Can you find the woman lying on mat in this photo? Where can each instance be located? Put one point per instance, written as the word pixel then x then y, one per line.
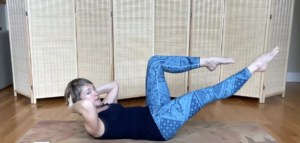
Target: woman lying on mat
pixel 162 117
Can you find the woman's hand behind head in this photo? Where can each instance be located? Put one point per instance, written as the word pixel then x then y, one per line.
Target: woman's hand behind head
pixel 70 102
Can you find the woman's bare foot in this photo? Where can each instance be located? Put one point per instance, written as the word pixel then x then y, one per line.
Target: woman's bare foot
pixel 260 63
pixel 213 62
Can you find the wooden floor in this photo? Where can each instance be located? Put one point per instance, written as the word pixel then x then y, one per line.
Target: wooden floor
pixel 280 117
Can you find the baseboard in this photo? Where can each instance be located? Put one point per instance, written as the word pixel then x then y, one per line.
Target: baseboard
pixel 293 77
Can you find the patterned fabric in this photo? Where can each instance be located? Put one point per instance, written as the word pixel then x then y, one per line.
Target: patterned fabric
pixel 170 115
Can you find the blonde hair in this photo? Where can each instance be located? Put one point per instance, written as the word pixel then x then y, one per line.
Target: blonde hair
pixel 73 89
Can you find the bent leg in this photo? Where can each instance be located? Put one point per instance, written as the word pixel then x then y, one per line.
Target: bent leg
pixel 170 117
pixel 157 92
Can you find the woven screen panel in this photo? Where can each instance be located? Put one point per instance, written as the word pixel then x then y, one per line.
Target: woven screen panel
pixel 133 44
pixel 19 45
pixel 279 33
pixel 206 40
pixel 171 23
pixel 53 46
pixel 93 22
pixel 245 27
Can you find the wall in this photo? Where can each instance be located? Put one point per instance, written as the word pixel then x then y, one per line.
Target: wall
pixel 5 57
pixel 3 17
pixel 5 61
pixel 293 70
pixel 6 16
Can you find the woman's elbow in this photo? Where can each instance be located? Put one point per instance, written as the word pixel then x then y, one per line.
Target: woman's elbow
pixel 87 105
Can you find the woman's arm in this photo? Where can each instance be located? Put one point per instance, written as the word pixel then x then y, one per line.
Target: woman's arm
pixel 90 116
pixel 112 90
pixel 77 107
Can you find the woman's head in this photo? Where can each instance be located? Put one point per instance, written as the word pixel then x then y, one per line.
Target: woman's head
pixel 82 89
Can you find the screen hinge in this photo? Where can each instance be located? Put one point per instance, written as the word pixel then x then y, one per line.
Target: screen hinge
pixel 271 16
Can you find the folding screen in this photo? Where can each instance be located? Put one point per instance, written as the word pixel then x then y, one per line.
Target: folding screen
pixel 133 44
pixel 19 47
pixel 94 46
pixel 53 46
pixel 206 39
pixel 241 29
pixel 244 39
pixel 172 37
pixel 279 35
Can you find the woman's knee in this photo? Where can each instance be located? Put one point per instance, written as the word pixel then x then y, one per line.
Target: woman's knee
pixel 156 58
pixel 153 58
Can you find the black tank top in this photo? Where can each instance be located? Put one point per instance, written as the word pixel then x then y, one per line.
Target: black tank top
pixel 129 123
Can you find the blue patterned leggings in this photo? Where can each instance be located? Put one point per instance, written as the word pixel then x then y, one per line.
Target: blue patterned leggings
pixel 169 115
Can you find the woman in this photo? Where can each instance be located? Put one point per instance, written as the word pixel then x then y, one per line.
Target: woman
pixel 162 117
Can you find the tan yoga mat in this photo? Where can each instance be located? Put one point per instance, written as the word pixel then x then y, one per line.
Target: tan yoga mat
pixel 191 132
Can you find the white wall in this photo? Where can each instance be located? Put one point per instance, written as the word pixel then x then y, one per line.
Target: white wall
pixel 293 70
pixel 3 17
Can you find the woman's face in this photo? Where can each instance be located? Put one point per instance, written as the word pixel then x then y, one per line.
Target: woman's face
pixel 88 92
